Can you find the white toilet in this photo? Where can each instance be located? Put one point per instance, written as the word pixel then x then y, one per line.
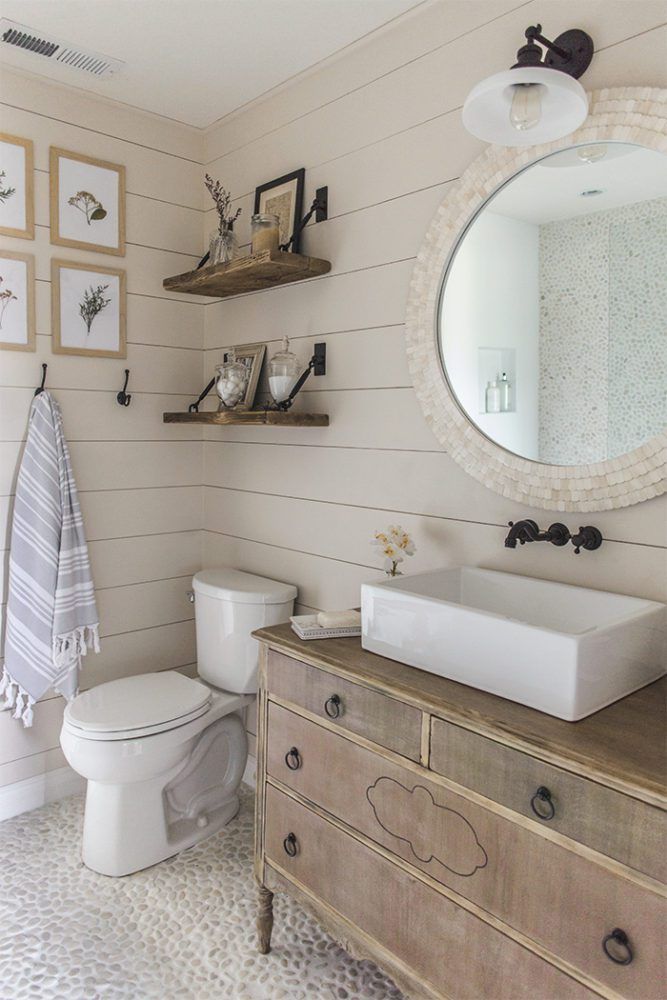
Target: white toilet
pixel 163 754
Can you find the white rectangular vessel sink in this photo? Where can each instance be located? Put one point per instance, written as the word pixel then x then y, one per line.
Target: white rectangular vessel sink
pixel 564 650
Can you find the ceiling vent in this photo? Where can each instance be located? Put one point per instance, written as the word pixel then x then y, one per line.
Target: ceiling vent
pixel 56 50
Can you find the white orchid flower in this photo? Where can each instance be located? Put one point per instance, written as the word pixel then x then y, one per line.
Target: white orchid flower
pixel 394 543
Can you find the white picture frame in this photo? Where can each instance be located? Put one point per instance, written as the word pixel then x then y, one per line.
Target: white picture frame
pixel 88 310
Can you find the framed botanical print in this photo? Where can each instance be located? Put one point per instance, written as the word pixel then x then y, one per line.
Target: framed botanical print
pixel 252 356
pixel 88 313
pixel 87 203
pixel 284 198
pixel 17 199
pixel 17 301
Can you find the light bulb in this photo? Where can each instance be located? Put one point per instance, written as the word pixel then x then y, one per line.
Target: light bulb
pixel 526 110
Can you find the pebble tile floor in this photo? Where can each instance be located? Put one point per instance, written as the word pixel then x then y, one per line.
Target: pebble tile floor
pixel 182 930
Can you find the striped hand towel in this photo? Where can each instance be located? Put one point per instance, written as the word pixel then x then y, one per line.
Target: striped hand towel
pixel 51 613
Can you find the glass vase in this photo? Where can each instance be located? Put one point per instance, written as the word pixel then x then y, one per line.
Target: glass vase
pixel 223 247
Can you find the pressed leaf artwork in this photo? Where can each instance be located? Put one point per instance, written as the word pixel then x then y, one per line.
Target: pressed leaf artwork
pixel 88 205
pixel 5 192
pixel 92 304
pixel 6 296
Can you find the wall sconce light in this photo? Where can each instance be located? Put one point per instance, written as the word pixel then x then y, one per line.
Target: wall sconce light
pixel 538 99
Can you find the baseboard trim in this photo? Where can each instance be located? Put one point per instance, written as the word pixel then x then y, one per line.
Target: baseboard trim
pixel 31 793
pixel 250 773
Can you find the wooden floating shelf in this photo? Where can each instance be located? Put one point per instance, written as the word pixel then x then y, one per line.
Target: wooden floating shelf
pixel 239 418
pixel 248 274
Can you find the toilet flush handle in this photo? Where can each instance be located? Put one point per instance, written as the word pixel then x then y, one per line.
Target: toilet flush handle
pixel 190 594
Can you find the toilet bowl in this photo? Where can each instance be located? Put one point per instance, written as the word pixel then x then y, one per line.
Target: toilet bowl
pixel 164 754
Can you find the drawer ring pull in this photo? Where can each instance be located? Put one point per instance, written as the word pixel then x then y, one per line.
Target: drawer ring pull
pixel 620 938
pixel 293 759
pixel 547 809
pixel 290 845
pixel 333 706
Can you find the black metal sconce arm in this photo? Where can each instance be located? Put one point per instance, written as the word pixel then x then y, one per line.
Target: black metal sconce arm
pixel 571 52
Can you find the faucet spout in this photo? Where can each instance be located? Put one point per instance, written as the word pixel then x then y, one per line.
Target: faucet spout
pixel 528 531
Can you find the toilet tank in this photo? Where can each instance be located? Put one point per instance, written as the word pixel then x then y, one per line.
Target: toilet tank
pixel 229 606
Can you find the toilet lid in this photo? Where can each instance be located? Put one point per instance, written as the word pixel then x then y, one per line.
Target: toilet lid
pixel 137 702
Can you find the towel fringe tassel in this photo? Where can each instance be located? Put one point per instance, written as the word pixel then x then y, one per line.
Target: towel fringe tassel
pixel 69 647
pixel 17 698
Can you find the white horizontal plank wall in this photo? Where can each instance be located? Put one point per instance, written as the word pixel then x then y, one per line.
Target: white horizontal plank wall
pixel 381 126
pixel 140 480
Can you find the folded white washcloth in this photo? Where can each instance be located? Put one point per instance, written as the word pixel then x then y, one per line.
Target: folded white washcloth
pixel 339 619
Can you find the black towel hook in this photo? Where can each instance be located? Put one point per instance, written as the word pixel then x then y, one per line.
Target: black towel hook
pixel 41 387
pixel 124 398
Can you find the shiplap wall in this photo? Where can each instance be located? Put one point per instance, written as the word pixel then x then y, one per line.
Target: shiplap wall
pixel 381 126
pixel 139 479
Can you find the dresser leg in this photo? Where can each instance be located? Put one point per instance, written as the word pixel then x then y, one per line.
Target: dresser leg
pixel 264 920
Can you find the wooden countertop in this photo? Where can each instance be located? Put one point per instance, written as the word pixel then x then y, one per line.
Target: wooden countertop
pixel 622 746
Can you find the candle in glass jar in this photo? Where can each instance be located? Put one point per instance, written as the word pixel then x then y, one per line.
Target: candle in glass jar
pixel 265 232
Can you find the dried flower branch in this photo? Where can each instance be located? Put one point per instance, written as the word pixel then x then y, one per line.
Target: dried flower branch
pixel 6 296
pixel 223 203
pixel 5 192
pixel 92 304
pixel 394 544
pixel 87 203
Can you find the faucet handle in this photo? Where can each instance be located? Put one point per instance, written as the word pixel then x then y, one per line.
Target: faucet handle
pixel 588 538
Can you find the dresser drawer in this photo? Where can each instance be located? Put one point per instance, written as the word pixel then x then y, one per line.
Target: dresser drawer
pixel 550 894
pixel 448 946
pixel 350 706
pixel 607 821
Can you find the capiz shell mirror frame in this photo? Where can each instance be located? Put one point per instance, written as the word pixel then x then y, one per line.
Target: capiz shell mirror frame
pixel 635 115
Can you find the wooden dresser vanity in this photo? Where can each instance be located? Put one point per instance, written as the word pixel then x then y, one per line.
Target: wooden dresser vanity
pixel 470 846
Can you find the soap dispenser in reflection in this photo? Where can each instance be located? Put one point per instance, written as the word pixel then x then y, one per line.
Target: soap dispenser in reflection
pixel 505 387
pixel 493 397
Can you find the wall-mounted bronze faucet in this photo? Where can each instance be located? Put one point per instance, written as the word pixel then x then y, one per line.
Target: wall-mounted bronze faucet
pixel 588 538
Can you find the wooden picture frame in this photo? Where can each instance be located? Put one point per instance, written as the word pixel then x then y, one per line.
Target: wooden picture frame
pixel 87 199
pixel 23 318
pixel 72 323
pixel 19 170
pixel 251 355
pixel 284 197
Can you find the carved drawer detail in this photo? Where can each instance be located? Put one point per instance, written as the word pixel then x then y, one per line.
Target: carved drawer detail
pixel 448 947
pixel 564 901
pixel 433 832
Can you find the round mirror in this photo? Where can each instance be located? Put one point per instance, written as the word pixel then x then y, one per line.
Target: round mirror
pixel 552 313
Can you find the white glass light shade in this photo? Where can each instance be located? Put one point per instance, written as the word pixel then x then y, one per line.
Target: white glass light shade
pixel 564 106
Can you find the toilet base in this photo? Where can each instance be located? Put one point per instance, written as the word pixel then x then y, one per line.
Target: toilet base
pixel 133 825
pixel 146 845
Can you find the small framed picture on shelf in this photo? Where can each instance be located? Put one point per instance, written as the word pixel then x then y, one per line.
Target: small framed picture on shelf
pixel 252 356
pixel 17 301
pixel 284 198
pixel 17 200
pixel 87 203
pixel 88 310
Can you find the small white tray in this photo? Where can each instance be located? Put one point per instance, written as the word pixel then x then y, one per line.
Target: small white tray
pixel 306 627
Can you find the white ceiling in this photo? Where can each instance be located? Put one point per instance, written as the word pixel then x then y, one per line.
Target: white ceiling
pixel 196 61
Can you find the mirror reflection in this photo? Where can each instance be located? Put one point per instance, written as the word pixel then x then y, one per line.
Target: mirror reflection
pixel 553 312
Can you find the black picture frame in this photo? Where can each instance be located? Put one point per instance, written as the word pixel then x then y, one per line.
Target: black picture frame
pixel 296 177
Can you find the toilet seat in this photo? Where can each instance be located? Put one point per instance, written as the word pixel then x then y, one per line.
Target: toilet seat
pixel 142 705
